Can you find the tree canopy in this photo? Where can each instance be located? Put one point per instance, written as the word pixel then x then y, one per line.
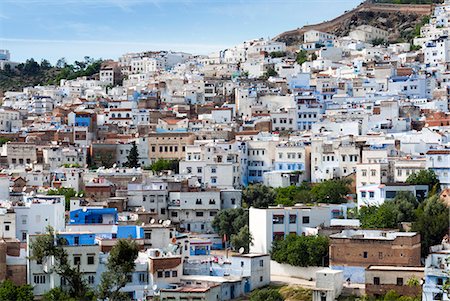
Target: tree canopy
pixel 51 245
pixel 331 191
pixel 133 156
pixel 12 292
pixel 163 164
pixel 424 177
pixel 32 73
pixel 121 263
pixel 432 222
pixel 258 196
pixel 301 250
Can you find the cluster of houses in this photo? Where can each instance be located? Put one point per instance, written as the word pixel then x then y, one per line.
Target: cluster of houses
pixel 253 113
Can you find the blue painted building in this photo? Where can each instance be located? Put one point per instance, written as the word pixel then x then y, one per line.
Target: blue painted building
pixel 106 216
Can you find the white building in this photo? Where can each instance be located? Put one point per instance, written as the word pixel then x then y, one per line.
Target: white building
pixel 39 212
pixel 266 225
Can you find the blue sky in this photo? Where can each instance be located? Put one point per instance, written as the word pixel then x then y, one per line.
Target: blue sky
pixel 107 28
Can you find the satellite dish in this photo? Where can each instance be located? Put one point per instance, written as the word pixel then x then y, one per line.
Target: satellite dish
pixel 241 250
pixel 154 287
pixel 152 221
pixel 160 221
pixel 133 179
pixel 81 195
pixel 84 209
pixel 168 222
pixel 143 224
pixel 114 165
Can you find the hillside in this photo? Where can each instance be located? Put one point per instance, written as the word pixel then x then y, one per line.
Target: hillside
pixel 32 73
pixel 401 20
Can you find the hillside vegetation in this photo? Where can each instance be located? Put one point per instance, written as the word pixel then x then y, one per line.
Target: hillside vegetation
pixel 32 73
pixel 401 18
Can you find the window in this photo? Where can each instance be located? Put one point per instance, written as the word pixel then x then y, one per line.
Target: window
pixel 380 255
pixel 166 274
pixel 376 280
pixel 148 235
pixel 292 219
pixel 76 240
pixel 160 274
pixel 143 278
pixel 91 279
pixel 371 194
pixel 261 263
pixel 199 214
pixel 261 279
pixel 39 279
pixel 363 194
pixel 305 220
pixel 400 281
pixel 365 255
pixel 440 281
pixel 163 211
pixel 174 214
pixel 76 259
pixel 174 274
pixel 90 259
pixel 278 219
pixel 213 170
pixel 6 227
pixel 212 213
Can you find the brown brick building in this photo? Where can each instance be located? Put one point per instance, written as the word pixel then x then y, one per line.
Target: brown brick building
pixel 382 279
pixel 362 248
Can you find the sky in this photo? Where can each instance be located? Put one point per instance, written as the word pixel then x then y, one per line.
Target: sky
pixel 72 29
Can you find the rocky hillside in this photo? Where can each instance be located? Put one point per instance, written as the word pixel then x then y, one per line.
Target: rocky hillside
pixel 401 20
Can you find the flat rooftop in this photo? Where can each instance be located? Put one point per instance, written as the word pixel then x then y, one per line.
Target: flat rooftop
pixel 395 268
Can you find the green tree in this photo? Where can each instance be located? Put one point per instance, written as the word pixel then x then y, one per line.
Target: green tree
pixel 230 221
pixel 302 56
pixel 120 265
pixel 105 159
pixel 391 296
pixel 378 41
pixel 258 196
pixel 12 292
pixel 266 294
pixel 432 222
pixel 300 250
pixel 243 239
pixel 276 54
pixel 133 156
pixel 379 217
pixel 3 140
pixel 270 72
pixel 291 195
pixel 331 191
pixel 57 294
pixel 67 192
pixel 163 164
pixel 51 245
pixel 424 177
pixel 406 204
